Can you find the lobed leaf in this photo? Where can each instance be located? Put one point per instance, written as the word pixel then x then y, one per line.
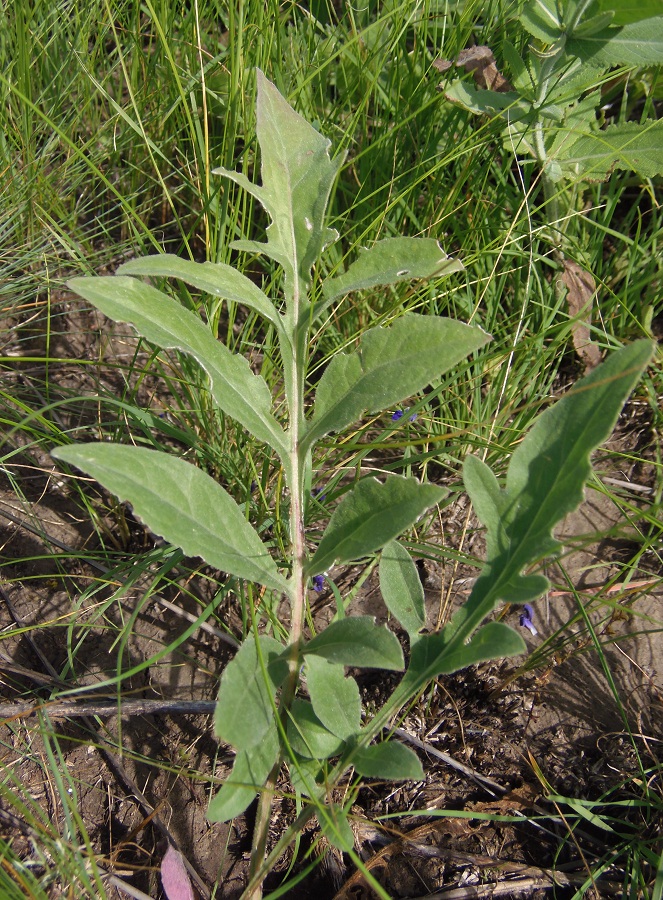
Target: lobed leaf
pixel 180 503
pixel 249 773
pixel 390 261
pixel 371 515
pixel 357 641
pixel 217 279
pixel 244 712
pixel 297 178
pixel 545 481
pixel 390 760
pixel 334 696
pixel 392 364
pixel 401 588
pixel 163 321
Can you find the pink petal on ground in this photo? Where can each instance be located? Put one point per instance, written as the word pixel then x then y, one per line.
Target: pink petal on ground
pixel 174 876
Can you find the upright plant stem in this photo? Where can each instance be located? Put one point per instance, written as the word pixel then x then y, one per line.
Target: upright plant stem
pixel 293 351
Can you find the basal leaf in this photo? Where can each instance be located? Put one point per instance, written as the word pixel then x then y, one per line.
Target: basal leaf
pixel 390 761
pixel 308 736
pixel 389 261
pixel 244 712
pixel 357 641
pixel 369 516
pixel 632 146
pixel 545 481
pixel 391 365
pixel 217 279
pixel 180 503
pixel 401 588
pixel 483 102
pixel 297 177
pixel 634 44
pixel 627 11
pixel 163 321
pixel 335 697
pixel 335 827
pixel 248 775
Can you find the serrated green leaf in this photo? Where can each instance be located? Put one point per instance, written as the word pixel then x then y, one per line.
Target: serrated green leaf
pixel 401 588
pixel 518 70
pixel 545 481
pixel 390 261
pixel 297 177
pixel 391 365
pixel 357 641
pixel 433 656
pixel 390 760
pixel 335 827
pixel 335 697
pixel 217 279
pixel 632 146
pixel 308 736
pixel 180 503
pixel 249 773
pixel 163 321
pixel 244 712
pixel 627 11
pixel 541 19
pixel 369 516
pixel 634 44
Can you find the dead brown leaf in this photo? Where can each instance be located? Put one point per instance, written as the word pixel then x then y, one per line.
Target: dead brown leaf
pixel 478 60
pixel 581 288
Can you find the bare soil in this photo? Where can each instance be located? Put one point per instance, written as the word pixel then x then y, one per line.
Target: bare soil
pixel 512 736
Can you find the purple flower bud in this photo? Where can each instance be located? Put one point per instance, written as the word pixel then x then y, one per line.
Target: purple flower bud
pixel 526 617
pixel 318 583
pixel 397 415
pixel 413 417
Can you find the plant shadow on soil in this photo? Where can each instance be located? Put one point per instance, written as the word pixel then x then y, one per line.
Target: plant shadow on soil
pixel 559 715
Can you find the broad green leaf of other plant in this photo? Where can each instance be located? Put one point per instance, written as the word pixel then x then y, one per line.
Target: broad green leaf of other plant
pixel 163 321
pixel 180 503
pixel 389 760
pixel 401 588
pixel 633 146
pixel 357 641
pixel 297 178
pixel 392 364
pixel 335 696
pixel 635 44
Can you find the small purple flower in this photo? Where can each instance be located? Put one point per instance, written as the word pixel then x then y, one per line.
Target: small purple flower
pixel 398 415
pixel 318 583
pixel 526 618
pixel 319 496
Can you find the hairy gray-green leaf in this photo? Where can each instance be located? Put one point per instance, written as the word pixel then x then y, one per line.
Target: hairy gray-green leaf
pixel 390 261
pixel 544 482
pixel 369 516
pixel 249 773
pixel 335 697
pixel 390 760
pixel 180 503
pixel 401 588
pixel 335 827
pixel 634 44
pixel 392 364
pixel 163 321
pixel 217 279
pixel 306 776
pixel 244 712
pixel 357 641
pixel 432 655
pixel 632 146
pixel 297 177
pixel 308 736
